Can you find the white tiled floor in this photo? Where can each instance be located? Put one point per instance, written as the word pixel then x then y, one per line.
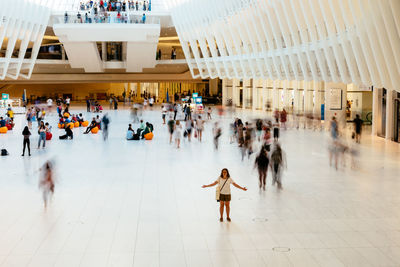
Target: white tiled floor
pixel 121 203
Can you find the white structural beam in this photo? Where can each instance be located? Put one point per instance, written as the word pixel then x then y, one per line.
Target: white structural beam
pixel 22 27
pixel 347 41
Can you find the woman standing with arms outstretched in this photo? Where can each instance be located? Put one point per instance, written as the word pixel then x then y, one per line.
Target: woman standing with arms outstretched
pixel 223 195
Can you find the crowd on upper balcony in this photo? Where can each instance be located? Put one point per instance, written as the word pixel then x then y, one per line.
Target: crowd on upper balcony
pixel 110 11
pixel 116 5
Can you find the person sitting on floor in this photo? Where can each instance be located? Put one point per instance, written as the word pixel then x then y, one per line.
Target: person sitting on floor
pixel 2 122
pixel 130 133
pixel 80 118
pixel 146 130
pixel 68 133
pixel 98 122
pixel 10 121
pixel 48 127
pixel 92 125
pixel 74 118
pixel 150 126
pixel 141 128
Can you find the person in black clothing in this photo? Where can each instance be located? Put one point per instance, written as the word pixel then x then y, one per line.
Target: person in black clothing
pixel 106 122
pixel 277 162
pixel 175 111
pixel 115 103
pixel 68 133
pixel 26 133
pixel 88 105
pixel 262 163
pixel 188 113
pixel 358 128
pixel 92 125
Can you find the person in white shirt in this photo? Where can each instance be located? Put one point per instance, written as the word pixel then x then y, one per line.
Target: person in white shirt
pixel 67 101
pixel 151 101
pixel 199 127
pixel 223 194
pixel 164 113
pixel 49 104
pixel 178 133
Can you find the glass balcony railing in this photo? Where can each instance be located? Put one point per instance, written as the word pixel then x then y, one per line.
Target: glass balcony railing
pixel 105 17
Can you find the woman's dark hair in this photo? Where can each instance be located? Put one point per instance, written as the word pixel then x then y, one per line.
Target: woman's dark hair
pixel 25 131
pixel 227 172
pixel 262 152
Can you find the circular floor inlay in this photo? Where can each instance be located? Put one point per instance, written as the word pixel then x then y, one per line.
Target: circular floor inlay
pixel 281 249
pixel 260 219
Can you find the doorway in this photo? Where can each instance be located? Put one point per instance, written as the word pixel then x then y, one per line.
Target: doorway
pixel 396 127
pixel 382 112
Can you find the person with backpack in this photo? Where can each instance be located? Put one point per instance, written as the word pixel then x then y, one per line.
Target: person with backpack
pixel 223 192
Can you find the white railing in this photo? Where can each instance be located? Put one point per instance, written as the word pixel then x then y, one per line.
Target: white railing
pixel 104 17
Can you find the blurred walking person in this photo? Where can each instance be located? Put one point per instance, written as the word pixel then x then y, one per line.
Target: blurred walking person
pixel 217 134
pixel 178 133
pixel 262 163
pixel 46 182
pixel 334 128
pixel 163 113
pixel 223 192
pixel 277 162
pixel 29 118
pixel 259 129
pixel 105 121
pixel 240 133
pixel 358 128
pixel 175 111
pixel 283 118
pixel 171 126
pixel 200 128
pixel 248 141
pixel 276 129
pixel 209 113
pixel 188 129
